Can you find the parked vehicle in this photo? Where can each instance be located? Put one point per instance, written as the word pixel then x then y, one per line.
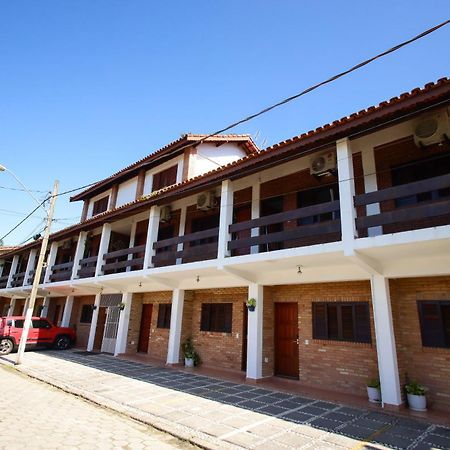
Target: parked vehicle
pixel 42 333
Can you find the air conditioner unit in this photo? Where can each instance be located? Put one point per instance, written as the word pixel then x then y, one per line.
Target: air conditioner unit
pixel 67 244
pixel 206 201
pixel 323 164
pixel 165 214
pixel 431 130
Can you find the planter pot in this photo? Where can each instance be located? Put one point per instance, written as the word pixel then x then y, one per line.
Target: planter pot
pixel 188 362
pixel 417 402
pixel 251 308
pixel 374 394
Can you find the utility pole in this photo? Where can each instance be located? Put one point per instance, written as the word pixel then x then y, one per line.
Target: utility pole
pixel 37 277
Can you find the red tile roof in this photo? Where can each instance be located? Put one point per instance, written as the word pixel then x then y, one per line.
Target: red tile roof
pixel 397 108
pixel 243 139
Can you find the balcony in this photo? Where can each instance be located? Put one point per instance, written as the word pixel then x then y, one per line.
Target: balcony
pixel 61 272
pixel 198 246
pixel 124 260
pixel 411 206
pixel 18 279
pixel 31 277
pixel 87 267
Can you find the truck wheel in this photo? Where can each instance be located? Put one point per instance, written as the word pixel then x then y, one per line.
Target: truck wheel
pixel 62 342
pixel 6 346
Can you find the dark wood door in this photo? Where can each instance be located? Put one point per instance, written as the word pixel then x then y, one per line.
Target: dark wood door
pixel 286 339
pixel 144 333
pixel 99 331
pixel 244 338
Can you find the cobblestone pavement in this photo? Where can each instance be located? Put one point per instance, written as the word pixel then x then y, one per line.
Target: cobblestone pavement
pixel 37 416
pixel 219 414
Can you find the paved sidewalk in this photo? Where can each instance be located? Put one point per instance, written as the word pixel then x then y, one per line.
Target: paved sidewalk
pixel 219 414
pixel 37 416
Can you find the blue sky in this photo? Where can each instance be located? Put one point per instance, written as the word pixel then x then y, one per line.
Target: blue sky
pixel 88 87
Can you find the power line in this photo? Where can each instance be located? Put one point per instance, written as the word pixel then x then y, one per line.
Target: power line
pixel 23 190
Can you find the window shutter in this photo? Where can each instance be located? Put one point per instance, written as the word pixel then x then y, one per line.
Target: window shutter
pixel 205 318
pixel 431 324
pixel 333 312
pixel 228 317
pixel 161 314
pixel 362 323
pixel 320 321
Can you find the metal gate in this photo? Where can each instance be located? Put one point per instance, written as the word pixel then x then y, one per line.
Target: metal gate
pixel 111 302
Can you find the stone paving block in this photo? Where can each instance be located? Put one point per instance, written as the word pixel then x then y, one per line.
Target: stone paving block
pixel 338 416
pixel 291 439
pixel 325 424
pixel 312 410
pixel 271 410
pixel 287 404
pixel 367 423
pixel 250 404
pixel 392 441
pixel 324 405
pixel 442 431
pixel 244 439
pixel 437 441
pixel 356 432
pixel 350 411
pixel 297 416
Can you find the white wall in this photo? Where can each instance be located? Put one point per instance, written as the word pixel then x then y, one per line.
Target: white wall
pixel 127 192
pixel 210 157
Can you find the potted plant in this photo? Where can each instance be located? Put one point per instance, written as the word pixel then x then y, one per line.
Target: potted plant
pixel 251 304
pixel 191 357
pixel 373 390
pixel 417 400
pixel 122 306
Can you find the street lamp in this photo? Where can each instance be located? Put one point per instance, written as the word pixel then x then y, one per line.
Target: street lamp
pixel 38 271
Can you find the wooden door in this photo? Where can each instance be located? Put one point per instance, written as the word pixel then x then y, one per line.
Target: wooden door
pixel 144 333
pixel 286 339
pixel 100 329
pixel 244 338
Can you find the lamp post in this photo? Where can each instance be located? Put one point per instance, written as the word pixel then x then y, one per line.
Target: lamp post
pixel 38 271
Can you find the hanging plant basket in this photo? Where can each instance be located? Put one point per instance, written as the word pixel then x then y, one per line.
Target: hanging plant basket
pixel 251 304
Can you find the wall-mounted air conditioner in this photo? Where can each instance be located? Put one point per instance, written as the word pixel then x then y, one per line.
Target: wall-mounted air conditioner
pixel 323 164
pixel 165 214
pixel 206 201
pixel 431 130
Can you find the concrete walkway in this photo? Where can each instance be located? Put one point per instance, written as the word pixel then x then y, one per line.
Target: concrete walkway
pixel 219 414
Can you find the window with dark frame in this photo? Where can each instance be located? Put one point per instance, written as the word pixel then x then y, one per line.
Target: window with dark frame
pixel 434 319
pixel 217 317
pixel 342 321
pixel 100 205
pixel 315 196
pixel 164 178
pixel 164 312
pixel 86 314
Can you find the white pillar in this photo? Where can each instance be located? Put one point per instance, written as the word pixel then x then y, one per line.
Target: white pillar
pixel 386 349
pixel 181 230
pixel 176 320
pixel 30 266
pixel 132 241
pixel 12 305
pixel 371 185
pixel 79 253
pixel 46 304
pixel 226 219
pixel 124 319
pixel 256 206
pixel 25 306
pixel 152 235
pixel 51 261
pixel 255 333
pixel 180 170
pixel 67 311
pixel 104 244
pixel 12 272
pixel 93 328
pixel 346 194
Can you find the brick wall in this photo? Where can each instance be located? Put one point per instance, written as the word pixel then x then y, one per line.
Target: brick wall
pixel 428 366
pixel 56 309
pixel 159 337
pixel 82 329
pixel 340 366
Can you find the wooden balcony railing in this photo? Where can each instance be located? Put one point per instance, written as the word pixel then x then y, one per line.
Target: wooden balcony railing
pixel 405 207
pixel 31 277
pixel 4 281
pixel 119 261
pixel 289 229
pixel 198 246
pixel 87 267
pixel 61 272
pixel 17 279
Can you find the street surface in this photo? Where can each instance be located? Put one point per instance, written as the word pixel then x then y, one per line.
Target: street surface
pixel 37 416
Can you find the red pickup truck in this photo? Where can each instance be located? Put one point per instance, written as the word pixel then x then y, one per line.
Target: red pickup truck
pixel 42 333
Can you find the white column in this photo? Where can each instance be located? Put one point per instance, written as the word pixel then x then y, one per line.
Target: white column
pixel 132 241
pixel 152 235
pixel 180 170
pixel 79 253
pixel 46 304
pixel 371 185
pixel 30 265
pixel 226 218
pixel 104 244
pixel 12 272
pixel 124 319
pixel 12 305
pixel 181 230
pixel 176 320
pixel 93 328
pixel 51 261
pixel 25 306
pixel 346 194
pixel 256 206
pixel 386 349
pixel 255 333
pixel 67 311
